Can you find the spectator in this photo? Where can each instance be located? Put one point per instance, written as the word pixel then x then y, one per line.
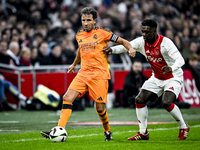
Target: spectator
pixel 193 48
pixel 6 34
pixel 38 39
pixel 56 55
pixel 68 50
pixel 169 34
pixel 4 57
pixel 178 42
pixel 42 31
pixel 43 57
pixel 25 57
pixel 185 36
pixel 34 56
pixel 55 20
pixel 132 84
pixel 194 36
pixel 14 38
pixel 13 53
pixel 35 17
pixel 193 65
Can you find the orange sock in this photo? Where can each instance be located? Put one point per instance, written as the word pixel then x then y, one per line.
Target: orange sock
pixel 104 119
pixel 65 114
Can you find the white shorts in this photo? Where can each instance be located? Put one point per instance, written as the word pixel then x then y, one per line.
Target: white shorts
pixel 159 86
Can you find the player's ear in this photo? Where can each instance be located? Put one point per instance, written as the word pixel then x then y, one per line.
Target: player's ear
pixel 95 21
pixel 155 30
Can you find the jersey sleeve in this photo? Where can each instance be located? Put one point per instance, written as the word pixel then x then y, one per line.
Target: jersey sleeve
pixel 78 36
pixel 109 36
pixel 174 53
pixel 136 44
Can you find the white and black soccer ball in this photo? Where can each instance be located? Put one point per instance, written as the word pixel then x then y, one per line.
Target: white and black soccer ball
pixel 58 134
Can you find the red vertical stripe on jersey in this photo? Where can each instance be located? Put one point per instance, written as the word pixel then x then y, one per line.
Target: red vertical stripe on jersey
pixel 156 59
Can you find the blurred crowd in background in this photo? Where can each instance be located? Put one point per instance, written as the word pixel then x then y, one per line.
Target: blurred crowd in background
pixel 42 32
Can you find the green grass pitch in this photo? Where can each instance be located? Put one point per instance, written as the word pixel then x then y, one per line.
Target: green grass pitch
pixel 20 130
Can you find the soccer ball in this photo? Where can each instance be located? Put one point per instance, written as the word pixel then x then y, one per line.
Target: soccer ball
pixel 58 134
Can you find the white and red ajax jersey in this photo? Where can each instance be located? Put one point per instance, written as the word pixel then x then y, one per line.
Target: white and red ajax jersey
pixel 161 53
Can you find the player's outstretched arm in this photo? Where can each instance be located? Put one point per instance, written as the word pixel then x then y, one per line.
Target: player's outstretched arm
pixel 127 45
pixel 107 49
pixel 76 61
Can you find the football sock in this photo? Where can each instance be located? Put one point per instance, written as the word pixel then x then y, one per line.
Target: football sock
pixel 176 113
pixel 104 119
pixel 65 114
pixel 142 114
pixel 22 97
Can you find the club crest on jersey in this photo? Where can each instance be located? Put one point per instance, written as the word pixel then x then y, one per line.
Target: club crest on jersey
pixel 156 52
pixel 95 36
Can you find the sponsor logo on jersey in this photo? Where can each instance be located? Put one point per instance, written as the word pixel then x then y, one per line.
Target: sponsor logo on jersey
pixel 88 46
pixel 150 58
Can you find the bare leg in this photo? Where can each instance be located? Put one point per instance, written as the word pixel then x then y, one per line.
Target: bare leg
pixel 68 99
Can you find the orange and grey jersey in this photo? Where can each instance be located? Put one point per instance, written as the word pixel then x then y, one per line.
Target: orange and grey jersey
pixel 93 59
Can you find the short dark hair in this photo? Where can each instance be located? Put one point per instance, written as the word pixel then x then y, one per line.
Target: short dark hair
pixel 88 11
pixel 137 60
pixel 38 34
pixel 149 22
pixel 193 57
pixel 55 46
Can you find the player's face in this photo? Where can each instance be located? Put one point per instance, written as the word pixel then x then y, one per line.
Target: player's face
pixel 149 34
pixel 88 22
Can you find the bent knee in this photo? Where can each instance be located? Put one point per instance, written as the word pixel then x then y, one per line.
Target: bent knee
pixel 68 98
pixel 166 104
pixel 138 100
pixel 99 111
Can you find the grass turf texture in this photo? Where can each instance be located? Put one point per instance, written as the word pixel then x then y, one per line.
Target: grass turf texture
pixel 26 127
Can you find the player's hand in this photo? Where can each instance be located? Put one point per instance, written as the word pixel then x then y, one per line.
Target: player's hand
pixel 107 49
pixel 166 69
pixel 71 69
pixel 132 52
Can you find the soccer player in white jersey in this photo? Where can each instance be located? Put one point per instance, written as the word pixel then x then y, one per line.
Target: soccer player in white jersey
pixel 166 79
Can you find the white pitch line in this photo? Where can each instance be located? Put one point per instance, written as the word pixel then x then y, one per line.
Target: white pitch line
pixel 89 135
pixel 9 130
pixel 9 121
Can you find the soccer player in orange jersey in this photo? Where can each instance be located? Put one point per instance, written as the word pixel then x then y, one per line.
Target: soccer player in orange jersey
pixel 94 73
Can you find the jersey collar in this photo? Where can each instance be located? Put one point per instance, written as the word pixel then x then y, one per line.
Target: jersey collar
pixel 155 43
